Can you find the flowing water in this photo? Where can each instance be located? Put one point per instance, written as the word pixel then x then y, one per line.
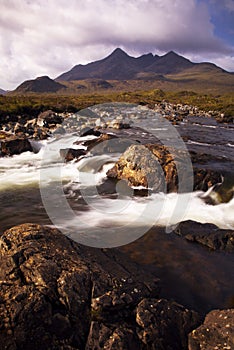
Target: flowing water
pixel 40 187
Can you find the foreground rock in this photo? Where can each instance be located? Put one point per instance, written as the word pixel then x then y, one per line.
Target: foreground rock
pixel 56 294
pixel 208 235
pixel 217 332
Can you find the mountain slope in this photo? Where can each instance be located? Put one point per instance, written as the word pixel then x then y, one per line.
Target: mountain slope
pixel 170 63
pixel 118 65
pixel 2 92
pixel 39 85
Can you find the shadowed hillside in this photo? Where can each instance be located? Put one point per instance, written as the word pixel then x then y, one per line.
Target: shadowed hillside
pixel 40 84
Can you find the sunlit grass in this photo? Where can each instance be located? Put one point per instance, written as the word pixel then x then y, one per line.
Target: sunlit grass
pixel 33 104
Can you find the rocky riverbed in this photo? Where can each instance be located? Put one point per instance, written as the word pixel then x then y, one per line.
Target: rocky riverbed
pixel 58 294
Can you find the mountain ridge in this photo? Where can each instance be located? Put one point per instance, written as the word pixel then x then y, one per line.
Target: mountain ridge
pixel 121 66
pixel 120 71
pixel 116 66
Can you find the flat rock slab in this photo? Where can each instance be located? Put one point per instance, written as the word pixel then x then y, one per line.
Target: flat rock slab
pixel 208 235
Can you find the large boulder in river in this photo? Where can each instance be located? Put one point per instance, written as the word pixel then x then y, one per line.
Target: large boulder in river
pixel 157 167
pixel 151 166
pixel 57 294
pixel 11 144
pixel 216 333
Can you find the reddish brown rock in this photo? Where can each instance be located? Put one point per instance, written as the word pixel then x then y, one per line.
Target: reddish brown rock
pixel 151 166
pixel 205 178
pixel 160 168
pixel 57 294
pixel 49 286
pixel 164 325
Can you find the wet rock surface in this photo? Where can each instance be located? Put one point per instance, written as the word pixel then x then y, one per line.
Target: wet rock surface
pixel 49 118
pixel 141 165
pixel 11 144
pixel 156 166
pixel 176 112
pixel 160 324
pixel 69 154
pixel 217 332
pixel 60 295
pixel 208 235
pixel 156 317
pixel 38 127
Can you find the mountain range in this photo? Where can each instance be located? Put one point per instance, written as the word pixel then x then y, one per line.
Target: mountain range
pixel 120 66
pixel 120 71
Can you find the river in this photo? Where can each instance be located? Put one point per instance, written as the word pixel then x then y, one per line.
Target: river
pixel 42 188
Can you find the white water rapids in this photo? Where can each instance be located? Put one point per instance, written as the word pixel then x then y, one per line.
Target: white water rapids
pixel 159 209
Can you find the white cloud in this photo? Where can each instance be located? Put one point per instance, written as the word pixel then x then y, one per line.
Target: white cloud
pixel 50 36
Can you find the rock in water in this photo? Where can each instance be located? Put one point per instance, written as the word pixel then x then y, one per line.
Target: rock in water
pixel 151 166
pixel 156 166
pixel 217 332
pixel 49 118
pixel 207 234
pixel 10 144
pixel 69 154
pixel 57 294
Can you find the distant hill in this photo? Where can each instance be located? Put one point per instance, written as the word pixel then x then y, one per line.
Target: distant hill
pixel 2 92
pixel 39 85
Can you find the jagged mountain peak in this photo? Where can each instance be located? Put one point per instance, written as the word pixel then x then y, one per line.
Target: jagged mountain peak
pixel 120 66
pixel 119 52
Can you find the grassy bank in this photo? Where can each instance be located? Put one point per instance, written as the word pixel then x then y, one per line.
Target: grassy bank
pixel 33 104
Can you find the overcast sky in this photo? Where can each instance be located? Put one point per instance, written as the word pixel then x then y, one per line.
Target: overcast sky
pixel 49 37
